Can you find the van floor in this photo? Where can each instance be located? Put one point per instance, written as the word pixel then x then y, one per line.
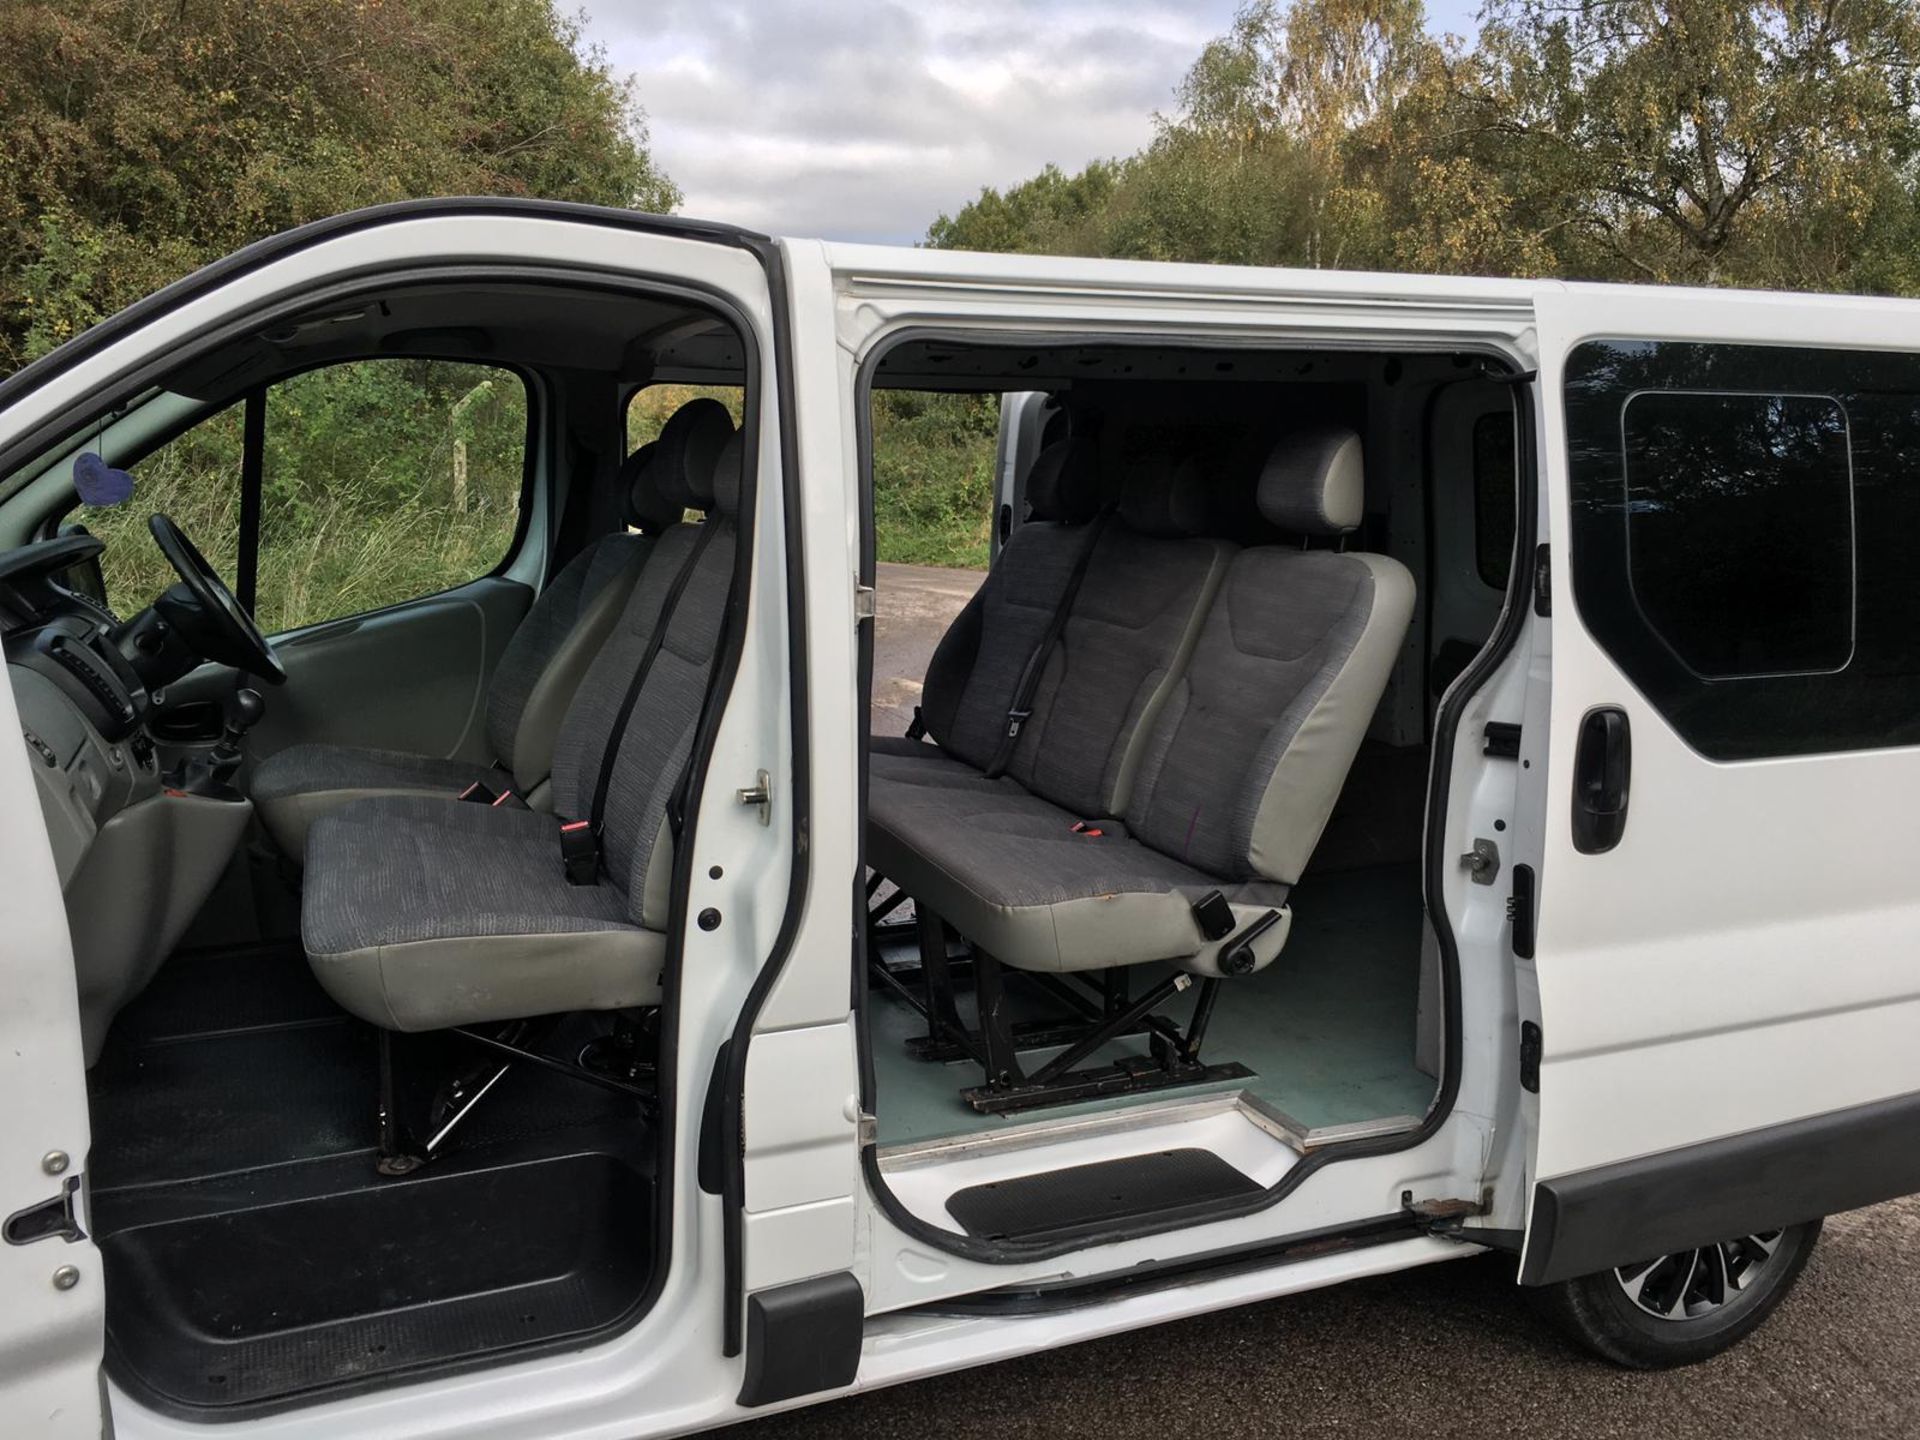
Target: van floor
pixel 254 1257
pixel 1327 1029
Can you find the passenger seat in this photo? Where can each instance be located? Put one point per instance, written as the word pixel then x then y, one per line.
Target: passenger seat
pixel 422 915
pixel 538 673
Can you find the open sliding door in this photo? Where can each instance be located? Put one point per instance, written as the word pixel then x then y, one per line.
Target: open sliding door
pixel 1728 980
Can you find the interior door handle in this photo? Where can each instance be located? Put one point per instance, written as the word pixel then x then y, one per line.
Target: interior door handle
pixel 1602 773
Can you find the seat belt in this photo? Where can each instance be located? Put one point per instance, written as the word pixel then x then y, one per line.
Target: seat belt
pixel 1021 707
pixel 580 839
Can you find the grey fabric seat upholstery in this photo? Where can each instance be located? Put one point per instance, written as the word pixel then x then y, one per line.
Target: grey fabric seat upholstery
pixel 1131 626
pixel 1223 778
pixel 975 668
pixel 399 941
pixel 535 680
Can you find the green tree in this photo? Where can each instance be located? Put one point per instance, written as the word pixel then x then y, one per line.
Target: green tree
pixel 1700 140
pixel 1768 142
pixel 140 140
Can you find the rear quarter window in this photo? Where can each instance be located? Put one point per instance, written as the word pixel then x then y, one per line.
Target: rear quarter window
pixel 1741 538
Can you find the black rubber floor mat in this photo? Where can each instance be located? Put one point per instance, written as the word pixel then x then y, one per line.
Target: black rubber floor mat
pixel 222 1312
pixel 1106 1192
pixel 195 1108
pixel 212 1106
pixel 216 991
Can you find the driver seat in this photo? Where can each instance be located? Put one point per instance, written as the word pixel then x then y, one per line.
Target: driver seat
pixel 538 673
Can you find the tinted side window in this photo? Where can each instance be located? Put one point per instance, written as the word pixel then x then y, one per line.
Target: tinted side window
pixel 1740 529
pixel 1742 517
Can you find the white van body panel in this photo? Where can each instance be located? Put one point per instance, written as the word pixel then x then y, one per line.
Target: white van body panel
pixel 1769 905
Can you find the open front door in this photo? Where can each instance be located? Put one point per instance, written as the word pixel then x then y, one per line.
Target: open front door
pixel 1727 963
pixel 52 1324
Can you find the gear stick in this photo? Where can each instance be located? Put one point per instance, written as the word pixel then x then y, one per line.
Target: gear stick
pixel 208 774
pixel 244 709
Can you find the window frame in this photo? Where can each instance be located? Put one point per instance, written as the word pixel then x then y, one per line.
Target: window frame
pixel 1853 532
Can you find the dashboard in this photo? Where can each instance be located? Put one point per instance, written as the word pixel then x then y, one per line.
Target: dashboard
pixel 83 707
pixel 140 834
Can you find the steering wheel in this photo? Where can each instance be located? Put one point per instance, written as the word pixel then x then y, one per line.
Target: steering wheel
pixel 215 621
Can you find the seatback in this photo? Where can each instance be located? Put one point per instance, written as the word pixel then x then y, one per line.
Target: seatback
pixel 636 844
pixel 1128 636
pixel 976 667
pixel 681 470
pixel 1243 765
pixel 550 652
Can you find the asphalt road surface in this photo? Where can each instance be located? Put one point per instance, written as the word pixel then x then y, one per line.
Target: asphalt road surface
pixel 1448 1350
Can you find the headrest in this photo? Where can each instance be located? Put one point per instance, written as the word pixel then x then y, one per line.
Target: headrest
pixel 1161 497
pixel 688 449
pixel 1314 482
pixel 726 475
pixel 646 508
pixel 1064 483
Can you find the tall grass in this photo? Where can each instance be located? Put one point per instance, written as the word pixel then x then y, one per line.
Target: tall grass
pixel 358 491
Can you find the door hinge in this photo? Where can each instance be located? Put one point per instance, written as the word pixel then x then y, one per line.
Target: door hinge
pixel 1501 740
pixel 759 793
pixel 1531 1045
pixel 1542 582
pixel 50 1218
pixel 1444 1217
pixel 863 603
pixel 869 1130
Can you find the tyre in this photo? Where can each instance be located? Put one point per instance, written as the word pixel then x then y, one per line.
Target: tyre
pixel 1683 1308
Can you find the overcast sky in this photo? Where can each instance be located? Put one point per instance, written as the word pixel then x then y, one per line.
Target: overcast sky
pixel 864 119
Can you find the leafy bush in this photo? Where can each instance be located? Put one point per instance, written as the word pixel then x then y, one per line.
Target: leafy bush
pixel 933 477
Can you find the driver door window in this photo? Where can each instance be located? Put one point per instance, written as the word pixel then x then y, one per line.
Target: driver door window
pixel 381 481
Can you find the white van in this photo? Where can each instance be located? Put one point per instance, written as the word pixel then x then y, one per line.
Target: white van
pixel 1431 770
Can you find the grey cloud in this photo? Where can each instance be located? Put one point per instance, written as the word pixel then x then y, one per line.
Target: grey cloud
pixel 865 120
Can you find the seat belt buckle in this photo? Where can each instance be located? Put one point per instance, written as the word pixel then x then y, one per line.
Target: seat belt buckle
pixel 580 852
pixel 509 800
pixel 1015 720
pixel 478 794
pixel 1088 829
pixel 1214 915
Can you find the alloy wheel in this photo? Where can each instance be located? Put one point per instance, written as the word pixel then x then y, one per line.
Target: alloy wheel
pixel 1692 1284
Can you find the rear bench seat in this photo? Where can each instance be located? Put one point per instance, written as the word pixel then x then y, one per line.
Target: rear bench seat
pixel 1199 752
pixel 1129 628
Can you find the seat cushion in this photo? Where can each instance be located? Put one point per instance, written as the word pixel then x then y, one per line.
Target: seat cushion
pixel 1008 870
pixel 920 763
pixel 294 787
pixel 419 915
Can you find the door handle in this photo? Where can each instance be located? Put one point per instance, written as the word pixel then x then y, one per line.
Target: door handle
pixel 1602 772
